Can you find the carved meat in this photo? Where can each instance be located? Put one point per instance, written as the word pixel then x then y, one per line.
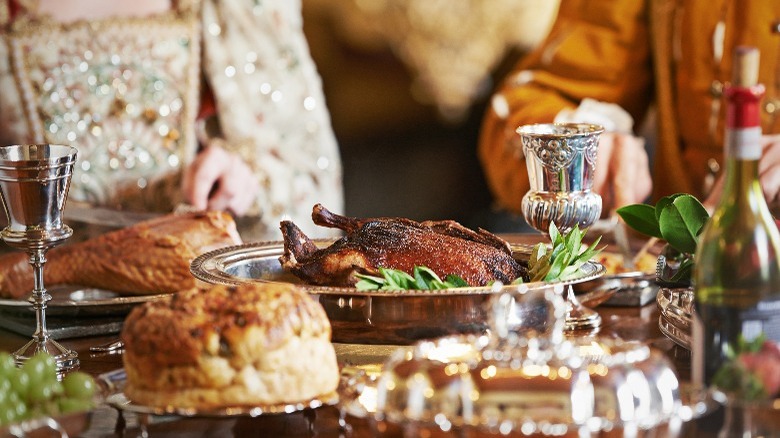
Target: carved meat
pixel 446 247
pixel 150 257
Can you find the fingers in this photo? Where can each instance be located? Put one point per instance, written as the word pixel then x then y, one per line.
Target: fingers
pixel 236 189
pixel 769 172
pixel 602 173
pixel 632 182
pixel 622 172
pixel 202 174
pixel 219 180
pixel 714 195
pixel 769 175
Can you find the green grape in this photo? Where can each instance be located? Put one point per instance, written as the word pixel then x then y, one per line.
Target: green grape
pixel 14 397
pixel 34 390
pixel 49 364
pixel 5 390
pixel 20 410
pixel 39 392
pixel 67 405
pixel 20 382
pixel 79 385
pixel 7 414
pixel 7 364
pixel 36 367
pixel 57 388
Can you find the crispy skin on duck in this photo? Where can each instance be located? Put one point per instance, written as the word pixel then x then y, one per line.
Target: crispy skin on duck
pixel 147 258
pixel 446 247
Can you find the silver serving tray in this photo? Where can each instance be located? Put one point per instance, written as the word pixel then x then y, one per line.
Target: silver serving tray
pixel 398 317
pixel 73 312
pixel 70 300
pixel 116 380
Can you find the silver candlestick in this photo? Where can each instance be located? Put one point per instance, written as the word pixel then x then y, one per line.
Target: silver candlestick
pixel 34 181
pixel 561 161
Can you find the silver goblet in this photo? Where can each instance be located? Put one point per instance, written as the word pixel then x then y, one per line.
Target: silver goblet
pixel 561 162
pixel 34 181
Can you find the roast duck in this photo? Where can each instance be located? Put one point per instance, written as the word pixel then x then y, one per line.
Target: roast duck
pixel 150 257
pixel 446 247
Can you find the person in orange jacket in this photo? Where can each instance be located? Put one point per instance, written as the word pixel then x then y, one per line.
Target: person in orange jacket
pixel 608 62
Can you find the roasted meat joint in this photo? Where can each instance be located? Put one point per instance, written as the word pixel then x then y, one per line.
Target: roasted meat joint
pixel 445 247
pixel 150 257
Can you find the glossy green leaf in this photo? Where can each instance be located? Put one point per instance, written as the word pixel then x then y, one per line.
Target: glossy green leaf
pixel 681 221
pixel 456 281
pixel 642 218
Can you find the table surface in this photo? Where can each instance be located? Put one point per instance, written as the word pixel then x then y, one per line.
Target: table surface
pixel 629 323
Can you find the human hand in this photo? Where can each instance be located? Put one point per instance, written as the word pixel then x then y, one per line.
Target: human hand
pixel 622 171
pixel 768 176
pixel 219 180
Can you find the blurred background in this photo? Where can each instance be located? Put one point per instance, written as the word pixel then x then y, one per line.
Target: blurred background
pixel 407 82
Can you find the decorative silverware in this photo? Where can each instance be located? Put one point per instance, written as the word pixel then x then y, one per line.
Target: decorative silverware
pixel 34 181
pixel 109 347
pixel 561 162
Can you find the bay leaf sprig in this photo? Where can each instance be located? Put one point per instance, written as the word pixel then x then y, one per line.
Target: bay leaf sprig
pixel 563 258
pixel 422 278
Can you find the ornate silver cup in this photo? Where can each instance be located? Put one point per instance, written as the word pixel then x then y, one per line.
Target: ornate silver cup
pixel 561 161
pixel 34 181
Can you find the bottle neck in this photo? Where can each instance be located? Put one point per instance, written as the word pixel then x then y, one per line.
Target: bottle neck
pixel 741 179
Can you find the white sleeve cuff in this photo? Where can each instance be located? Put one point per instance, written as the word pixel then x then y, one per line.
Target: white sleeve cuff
pixel 609 115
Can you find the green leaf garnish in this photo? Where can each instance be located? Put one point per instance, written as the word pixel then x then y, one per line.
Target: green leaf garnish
pixel 422 278
pixel 564 258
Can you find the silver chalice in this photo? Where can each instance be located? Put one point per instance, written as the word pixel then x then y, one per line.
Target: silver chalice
pixel 34 181
pixel 561 161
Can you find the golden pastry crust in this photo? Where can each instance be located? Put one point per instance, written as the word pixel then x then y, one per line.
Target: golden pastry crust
pixel 253 344
pixel 150 257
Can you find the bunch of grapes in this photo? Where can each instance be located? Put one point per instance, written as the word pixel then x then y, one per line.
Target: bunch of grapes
pixel 33 390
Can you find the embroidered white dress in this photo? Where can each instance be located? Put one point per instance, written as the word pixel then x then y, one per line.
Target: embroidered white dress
pixel 126 93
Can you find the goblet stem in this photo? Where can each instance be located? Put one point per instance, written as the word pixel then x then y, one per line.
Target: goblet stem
pixel 64 358
pixel 40 297
pixel 579 317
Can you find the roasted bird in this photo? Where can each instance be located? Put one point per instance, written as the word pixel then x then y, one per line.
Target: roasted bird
pixel 150 257
pixel 446 247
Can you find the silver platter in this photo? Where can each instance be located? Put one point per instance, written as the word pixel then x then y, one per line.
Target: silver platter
pixel 117 399
pixel 70 300
pixel 121 402
pixel 396 317
pixel 676 306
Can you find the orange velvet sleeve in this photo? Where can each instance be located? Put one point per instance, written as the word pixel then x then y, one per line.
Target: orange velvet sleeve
pixel 597 49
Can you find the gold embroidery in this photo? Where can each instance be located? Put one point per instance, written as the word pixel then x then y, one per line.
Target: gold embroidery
pixel 132 118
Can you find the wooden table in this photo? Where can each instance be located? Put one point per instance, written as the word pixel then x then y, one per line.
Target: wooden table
pixel 630 323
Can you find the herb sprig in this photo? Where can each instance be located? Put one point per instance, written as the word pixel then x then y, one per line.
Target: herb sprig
pixel 422 278
pixel 563 258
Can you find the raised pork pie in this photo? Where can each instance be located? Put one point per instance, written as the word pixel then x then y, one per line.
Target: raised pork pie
pixel 446 247
pixel 228 346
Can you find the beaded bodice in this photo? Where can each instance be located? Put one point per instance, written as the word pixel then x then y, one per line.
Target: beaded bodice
pixel 84 84
pixel 126 92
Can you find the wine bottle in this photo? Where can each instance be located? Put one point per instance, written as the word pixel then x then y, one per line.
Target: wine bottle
pixel 737 260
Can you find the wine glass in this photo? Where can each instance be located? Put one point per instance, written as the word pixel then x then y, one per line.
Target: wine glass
pixel 34 181
pixel 561 161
